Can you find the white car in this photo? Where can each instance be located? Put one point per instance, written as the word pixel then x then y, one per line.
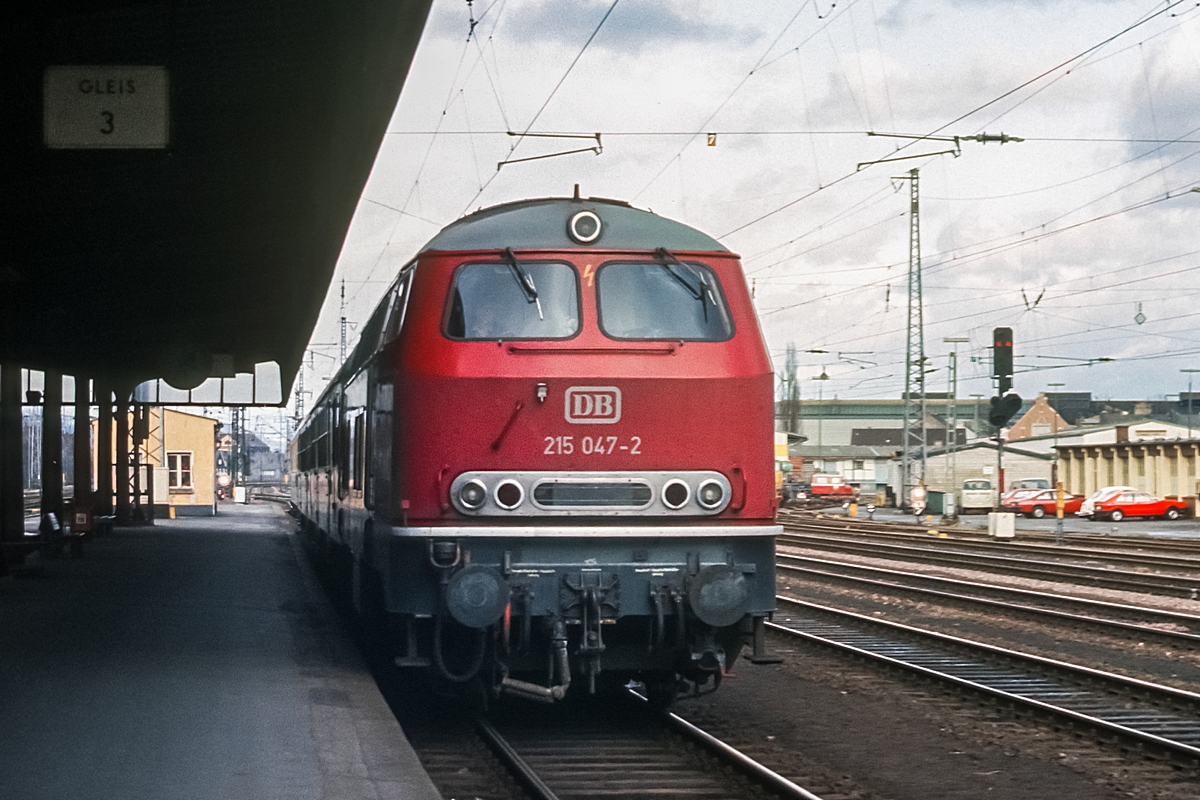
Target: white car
pixel 1088 508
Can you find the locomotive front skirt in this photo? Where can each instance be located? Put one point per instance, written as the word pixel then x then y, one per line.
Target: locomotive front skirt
pixel 551 455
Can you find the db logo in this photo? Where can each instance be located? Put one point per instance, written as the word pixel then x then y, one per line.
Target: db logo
pixel 593 405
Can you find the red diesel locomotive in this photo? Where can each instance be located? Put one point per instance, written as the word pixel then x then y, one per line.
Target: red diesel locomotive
pixel 550 454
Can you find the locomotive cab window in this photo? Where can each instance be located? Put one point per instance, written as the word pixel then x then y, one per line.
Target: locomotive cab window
pixel 514 300
pixel 662 301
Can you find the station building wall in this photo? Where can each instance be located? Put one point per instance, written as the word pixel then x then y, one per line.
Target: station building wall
pixel 1160 468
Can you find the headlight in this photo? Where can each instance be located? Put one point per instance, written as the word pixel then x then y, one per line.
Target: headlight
pixel 710 494
pixel 472 494
pixel 675 494
pixel 509 494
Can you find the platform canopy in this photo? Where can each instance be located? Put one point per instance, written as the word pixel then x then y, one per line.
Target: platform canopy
pixel 178 178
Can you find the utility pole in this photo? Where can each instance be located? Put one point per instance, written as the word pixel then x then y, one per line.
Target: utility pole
pixel 1189 404
pixel 824 376
pixel 952 428
pixel 975 398
pixel 913 439
pixel 342 325
pixel 1005 403
pixel 791 392
pixel 300 392
pixel 914 357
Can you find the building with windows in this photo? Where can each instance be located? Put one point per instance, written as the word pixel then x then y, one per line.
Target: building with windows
pixel 1041 419
pixel 179 450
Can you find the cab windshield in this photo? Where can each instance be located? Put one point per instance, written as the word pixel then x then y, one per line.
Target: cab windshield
pixel 514 300
pixel 669 300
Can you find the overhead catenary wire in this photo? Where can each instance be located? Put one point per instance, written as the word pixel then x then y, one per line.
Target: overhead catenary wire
pixel 759 65
pixel 944 126
pixel 521 136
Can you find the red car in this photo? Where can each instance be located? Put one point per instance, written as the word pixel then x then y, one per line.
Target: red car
pixel 1009 500
pixel 1138 504
pixel 1039 504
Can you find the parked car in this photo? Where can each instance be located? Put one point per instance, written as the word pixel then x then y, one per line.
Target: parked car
pixel 1045 501
pixel 1138 504
pixel 977 495
pixel 831 486
pixel 1009 500
pixel 1089 505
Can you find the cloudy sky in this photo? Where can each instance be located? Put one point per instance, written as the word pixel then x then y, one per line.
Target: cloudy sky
pixel 1084 237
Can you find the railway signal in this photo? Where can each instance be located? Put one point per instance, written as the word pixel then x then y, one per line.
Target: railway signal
pixel 1002 409
pixel 1002 358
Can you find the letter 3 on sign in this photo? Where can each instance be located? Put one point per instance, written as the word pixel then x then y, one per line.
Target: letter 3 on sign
pixel 593 405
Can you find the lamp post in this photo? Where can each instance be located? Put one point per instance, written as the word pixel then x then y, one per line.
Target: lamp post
pixel 1190 372
pixel 1058 493
pixel 824 376
pixel 951 512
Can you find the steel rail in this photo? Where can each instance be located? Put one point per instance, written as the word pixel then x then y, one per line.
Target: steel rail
pixel 541 789
pixel 1045 684
pixel 1162 560
pixel 1187 586
pixel 737 758
pixel 1133 627
pixel 524 774
pixel 917 530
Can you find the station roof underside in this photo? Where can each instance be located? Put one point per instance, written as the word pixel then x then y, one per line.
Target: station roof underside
pixel 213 251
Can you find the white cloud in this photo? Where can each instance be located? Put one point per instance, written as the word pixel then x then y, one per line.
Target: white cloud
pixel 664 68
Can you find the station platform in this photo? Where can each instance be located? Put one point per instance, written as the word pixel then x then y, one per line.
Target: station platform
pixel 197 658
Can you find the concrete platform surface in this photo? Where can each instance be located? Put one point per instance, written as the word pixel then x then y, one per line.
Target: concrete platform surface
pixel 195 659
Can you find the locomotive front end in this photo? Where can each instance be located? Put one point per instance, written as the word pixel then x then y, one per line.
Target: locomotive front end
pixel 587 441
pixel 557 459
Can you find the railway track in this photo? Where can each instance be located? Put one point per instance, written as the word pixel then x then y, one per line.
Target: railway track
pixel 1156 719
pixel 1174 626
pixel 914 531
pixel 1143 553
pixel 620 750
pixel 1183 581
pixel 32 498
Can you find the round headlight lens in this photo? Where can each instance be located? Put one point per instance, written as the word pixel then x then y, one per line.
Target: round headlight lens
pixel 675 494
pixel 584 227
pixel 710 494
pixel 472 494
pixel 509 494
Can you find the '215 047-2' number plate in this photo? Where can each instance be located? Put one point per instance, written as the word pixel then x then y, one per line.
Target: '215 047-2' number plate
pixel 592 445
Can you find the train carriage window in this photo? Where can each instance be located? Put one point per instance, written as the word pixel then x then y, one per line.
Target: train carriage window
pixel 399 303
pixel 662 301
pixel 518 300
pixel 357 451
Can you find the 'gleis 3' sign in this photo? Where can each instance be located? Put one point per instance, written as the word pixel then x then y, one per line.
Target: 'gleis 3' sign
pixel 593 405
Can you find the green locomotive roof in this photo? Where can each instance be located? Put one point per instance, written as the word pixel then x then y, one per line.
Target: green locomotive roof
pixel 542 225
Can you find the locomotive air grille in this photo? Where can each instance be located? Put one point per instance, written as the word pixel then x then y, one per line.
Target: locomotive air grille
pixel 558 494
pixel 585 494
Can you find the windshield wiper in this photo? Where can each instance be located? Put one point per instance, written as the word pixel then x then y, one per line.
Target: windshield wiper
pixel 524 280
pixel 701 292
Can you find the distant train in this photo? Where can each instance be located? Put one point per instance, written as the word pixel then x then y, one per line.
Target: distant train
pixel 549 460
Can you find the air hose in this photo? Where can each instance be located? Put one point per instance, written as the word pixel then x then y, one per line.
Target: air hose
pixel 439 659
